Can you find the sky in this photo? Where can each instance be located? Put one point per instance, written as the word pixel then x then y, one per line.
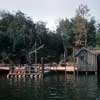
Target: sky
pixel 50 11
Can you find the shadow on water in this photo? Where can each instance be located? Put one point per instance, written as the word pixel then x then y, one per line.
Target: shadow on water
pixel 98 84
pixel 55 87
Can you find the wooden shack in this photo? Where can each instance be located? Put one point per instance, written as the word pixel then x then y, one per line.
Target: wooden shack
pixel 87 60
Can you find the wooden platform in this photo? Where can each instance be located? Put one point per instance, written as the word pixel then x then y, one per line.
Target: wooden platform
pixel 4 68
pixel 23 72
pixel 30 75
pixel 60 68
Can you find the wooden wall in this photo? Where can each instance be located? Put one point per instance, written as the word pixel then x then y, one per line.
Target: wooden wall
pixel 86 61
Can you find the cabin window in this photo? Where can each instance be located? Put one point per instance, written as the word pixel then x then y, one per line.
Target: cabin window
pixel 82 57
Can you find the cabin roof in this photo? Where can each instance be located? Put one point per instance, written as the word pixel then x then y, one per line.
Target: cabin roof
pixel 96 51
pixel 87 50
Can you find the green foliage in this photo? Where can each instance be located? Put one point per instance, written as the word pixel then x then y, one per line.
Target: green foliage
pixel 91 33
pixel 98 38
pixel 18 34
pixel 65 30
pixel 80 30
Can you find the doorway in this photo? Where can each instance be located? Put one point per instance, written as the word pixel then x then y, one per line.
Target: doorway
pixel 98 63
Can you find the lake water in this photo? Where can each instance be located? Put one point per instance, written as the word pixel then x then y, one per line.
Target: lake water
pixel 55 87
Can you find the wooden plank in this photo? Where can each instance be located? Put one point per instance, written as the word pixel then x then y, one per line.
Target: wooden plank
pixel 4 68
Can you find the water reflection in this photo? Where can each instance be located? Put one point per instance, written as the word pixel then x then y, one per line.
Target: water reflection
pixel 56 87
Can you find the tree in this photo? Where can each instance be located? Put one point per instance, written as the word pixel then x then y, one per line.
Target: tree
pixel 98 37
pixel 80 25
pixel 79 31
pixel 20 31
pixel 91 33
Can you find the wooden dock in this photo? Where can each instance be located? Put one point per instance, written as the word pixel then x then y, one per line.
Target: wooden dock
pixel 67 69
pixel 4 68
pixel 39 70
pixel 27 75
pixel 27 71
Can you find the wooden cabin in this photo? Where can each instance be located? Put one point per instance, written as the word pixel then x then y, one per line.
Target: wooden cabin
pixel 87 60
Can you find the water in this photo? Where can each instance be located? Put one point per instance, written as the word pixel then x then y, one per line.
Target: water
pixel 51 88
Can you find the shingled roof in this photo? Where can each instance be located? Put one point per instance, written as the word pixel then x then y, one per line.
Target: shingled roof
pixel 95 52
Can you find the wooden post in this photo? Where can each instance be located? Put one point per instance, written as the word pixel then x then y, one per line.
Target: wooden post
pixel 35 52
pixel 86 73
pixel 65 72
pixel 77 66
pixel 42 65
pixel 96 64
pixel 74 60
pixel 86 64
pixel 56 70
